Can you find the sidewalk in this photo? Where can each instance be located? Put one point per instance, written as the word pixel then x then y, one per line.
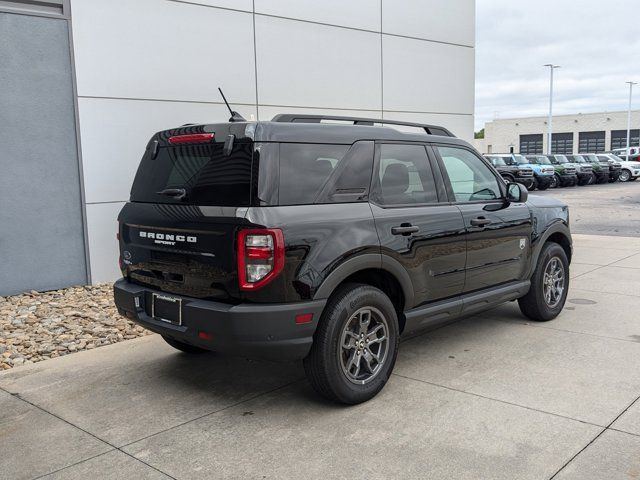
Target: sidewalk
pixel 492 396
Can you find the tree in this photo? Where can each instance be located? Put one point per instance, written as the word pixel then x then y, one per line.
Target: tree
pixel 479 134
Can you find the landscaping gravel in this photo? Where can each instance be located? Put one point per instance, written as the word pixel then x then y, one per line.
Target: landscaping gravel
pixel 37 326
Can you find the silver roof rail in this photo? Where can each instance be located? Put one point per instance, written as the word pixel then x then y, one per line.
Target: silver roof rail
pixel 300 118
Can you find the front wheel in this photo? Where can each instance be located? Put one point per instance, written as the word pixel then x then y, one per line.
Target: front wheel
pixel 542 185
pixel 355 346
pixel 625 176
pixel 549 285
pixel 555 181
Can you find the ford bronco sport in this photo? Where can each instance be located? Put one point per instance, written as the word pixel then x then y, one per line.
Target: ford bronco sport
pixel 567 173
pixel 328 242
pixel 511 170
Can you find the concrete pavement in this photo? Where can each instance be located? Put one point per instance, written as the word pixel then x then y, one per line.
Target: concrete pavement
pixel 492 396
pixel 609 209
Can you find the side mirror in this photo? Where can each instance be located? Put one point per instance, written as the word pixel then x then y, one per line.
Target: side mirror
pixel 517 193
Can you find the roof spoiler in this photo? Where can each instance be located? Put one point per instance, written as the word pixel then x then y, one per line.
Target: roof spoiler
pixel 296 118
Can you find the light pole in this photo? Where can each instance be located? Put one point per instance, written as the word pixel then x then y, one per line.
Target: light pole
pixel 631 84
pixel 552 67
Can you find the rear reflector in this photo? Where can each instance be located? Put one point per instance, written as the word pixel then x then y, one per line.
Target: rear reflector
pixel 304 318
pixel 191 138
pixel 205 336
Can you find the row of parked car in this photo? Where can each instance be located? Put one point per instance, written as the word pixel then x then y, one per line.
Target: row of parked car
pixel 550 171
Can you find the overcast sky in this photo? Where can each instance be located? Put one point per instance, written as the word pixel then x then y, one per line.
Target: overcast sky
pixel 597 44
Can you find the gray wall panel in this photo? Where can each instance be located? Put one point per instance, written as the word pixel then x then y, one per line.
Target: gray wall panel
pixel 41 232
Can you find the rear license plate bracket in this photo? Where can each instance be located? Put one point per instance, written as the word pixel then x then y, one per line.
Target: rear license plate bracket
pixel 166 309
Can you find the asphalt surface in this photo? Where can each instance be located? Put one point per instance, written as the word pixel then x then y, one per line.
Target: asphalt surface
pixel 607 209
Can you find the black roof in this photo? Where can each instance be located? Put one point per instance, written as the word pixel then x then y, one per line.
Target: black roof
pixel 282 129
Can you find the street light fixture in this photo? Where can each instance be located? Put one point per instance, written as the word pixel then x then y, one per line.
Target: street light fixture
pixel 552 67
pixel 631 84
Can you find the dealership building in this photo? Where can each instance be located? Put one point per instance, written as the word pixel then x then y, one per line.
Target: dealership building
pixel 85 83
pixel 580 133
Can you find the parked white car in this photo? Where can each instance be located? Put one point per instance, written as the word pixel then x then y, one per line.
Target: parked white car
pixel 633 153
pixel 630 170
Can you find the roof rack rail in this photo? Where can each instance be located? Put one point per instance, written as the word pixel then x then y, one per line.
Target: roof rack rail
pixel 296 118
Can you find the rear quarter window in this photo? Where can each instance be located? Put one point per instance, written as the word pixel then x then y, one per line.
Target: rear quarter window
pixel 304 170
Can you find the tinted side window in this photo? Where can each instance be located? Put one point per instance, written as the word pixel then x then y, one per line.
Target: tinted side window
pixel 470 178
pixel 304 169
pixel 404 176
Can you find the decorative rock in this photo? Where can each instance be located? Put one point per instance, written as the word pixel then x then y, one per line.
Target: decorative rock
pixel 38 326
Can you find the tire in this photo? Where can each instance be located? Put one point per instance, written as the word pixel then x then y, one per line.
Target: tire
pixel 329 366
pixel 183 347
pixel 555 181
pixel 625 175
pixel 593 179
pixel 508 178
pixel 534 305
pixel 530 185
pixel 542 186
pixel 586 181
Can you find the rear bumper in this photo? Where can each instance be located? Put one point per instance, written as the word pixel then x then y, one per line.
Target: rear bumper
pixel 251 330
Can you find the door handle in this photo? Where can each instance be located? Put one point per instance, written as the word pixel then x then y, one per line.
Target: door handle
pixel 480 222
pixel 405 229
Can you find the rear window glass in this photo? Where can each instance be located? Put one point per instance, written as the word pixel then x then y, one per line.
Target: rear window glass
pixel 304 170
pixel 207 176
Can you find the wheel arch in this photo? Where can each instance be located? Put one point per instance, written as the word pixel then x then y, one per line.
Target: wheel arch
pixel 558 233
pixel 380 271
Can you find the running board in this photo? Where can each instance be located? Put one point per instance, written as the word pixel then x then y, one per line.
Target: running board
pixel 445 311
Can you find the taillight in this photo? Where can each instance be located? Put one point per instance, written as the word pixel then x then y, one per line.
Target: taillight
pixel 191 138
pixel 260 256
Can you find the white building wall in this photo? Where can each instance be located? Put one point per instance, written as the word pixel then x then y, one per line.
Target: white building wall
pixel 501 134
pixel 148 65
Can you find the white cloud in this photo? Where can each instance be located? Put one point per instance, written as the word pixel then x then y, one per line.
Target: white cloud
pixel 596 43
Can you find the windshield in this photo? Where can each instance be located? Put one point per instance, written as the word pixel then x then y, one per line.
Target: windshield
pixel 205 174
pixel 560 159
pixel 539 160
pixel 592 159
pixel 578 159
pixel 508 160
pixel 520 160
pixel 497 161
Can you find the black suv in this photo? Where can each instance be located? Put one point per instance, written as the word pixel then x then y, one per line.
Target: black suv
pixel 302 239
pixel 511 170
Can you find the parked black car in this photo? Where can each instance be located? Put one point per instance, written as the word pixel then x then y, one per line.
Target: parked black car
pixel 511 170
pixel 614 168
pixel 298 239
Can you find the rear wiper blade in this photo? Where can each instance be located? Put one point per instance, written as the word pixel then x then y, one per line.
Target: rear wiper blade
pixel 177 193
